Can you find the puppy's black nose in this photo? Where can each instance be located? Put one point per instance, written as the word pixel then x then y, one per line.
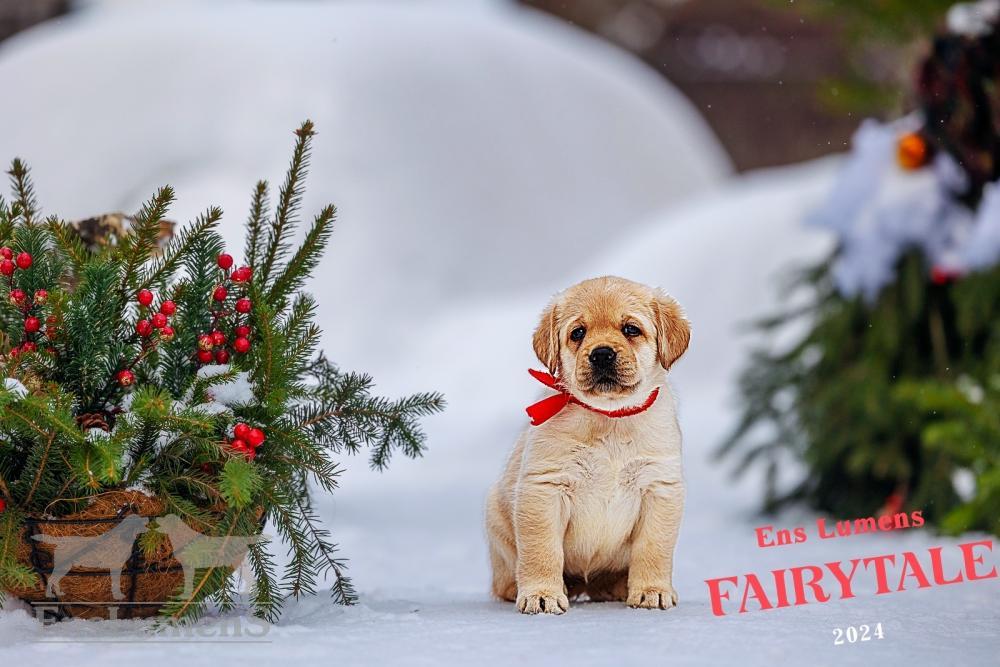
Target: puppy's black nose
pixel 602 357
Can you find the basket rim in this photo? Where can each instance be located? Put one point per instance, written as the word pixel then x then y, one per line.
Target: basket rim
pixel 118 518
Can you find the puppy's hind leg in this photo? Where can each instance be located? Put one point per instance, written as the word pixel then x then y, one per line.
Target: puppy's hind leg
pixel 503 551
pixel 608 587
pixel 574 586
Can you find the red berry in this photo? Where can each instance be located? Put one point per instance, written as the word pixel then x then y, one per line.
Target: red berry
pixel 205 356
pixel 205 342
pixel 207 468
pixel 168 307
pixel 256 437
pixel 167 334
pixel 242 274
pixel 23 261
pixel 242 332
pixel 220 293
pixel 6 253
pixel 17 297
pixel 145 297
pixel 218 338
pixel 126 378
pixel 29 347
pixel 32 324
pixel 3 503
pixel 50 332
pixel 221 357
pixel 243 305
pixel 7 267
pixel 41 296
pixel 250 454
pixel 159 321
pixel 943 276
pixel 239 445
pixel 241 430
pixel 143 328
pixel 225 261
pixel 241 345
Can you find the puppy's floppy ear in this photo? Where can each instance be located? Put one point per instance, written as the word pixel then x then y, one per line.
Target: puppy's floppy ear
pixel 546 339
pixel 673 331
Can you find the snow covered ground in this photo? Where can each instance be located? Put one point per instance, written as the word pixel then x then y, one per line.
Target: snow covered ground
pixel 586 165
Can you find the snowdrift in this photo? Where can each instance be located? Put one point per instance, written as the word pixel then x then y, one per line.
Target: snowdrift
pixel 471 151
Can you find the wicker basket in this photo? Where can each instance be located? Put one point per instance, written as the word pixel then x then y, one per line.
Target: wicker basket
pixel 87 592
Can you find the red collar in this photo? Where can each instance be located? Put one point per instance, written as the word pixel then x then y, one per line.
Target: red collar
pixel 547 408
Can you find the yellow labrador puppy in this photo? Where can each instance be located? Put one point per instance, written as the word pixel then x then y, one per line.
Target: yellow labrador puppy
pixel 592 496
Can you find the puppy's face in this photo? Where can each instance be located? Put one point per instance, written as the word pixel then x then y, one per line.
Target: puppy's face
pixel 609 340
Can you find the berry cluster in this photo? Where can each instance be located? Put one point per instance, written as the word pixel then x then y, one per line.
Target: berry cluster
pixel 155 323
pixel 246 440
pixel 29 306
pixel 9 263
pixel 215 346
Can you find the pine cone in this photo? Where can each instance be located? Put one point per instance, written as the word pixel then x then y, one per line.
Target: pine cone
pixel 93 420
pixel 109 230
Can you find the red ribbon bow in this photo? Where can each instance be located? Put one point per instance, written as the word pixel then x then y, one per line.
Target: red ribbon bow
pixel 547 408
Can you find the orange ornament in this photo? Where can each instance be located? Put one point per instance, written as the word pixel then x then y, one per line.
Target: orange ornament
pixel 912 151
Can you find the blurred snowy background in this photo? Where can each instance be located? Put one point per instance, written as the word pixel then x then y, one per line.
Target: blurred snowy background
pixel 482 156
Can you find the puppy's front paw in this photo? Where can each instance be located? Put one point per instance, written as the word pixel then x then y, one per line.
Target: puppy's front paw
pixel 652 598
pixel 542 602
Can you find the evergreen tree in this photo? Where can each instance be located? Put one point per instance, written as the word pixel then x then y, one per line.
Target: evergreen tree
pixel 883 402
pixel 173 371
pixel 891 401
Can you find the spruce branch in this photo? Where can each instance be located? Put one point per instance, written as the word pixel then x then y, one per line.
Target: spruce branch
pixel 139 245
pixel 255 223
pixel 46 450
pixel 289 200
pixel 13 574
pixel 306 258
pixel 68 241
pixel 300 573
pixel 24 191
pixel 163 268
pixel 264 596
pixel 343 591
pixel 212 578
pixel 6 220
pixel 239 483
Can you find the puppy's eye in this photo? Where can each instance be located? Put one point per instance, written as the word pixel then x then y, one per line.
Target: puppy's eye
pixel 631 330
pixel 577 334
